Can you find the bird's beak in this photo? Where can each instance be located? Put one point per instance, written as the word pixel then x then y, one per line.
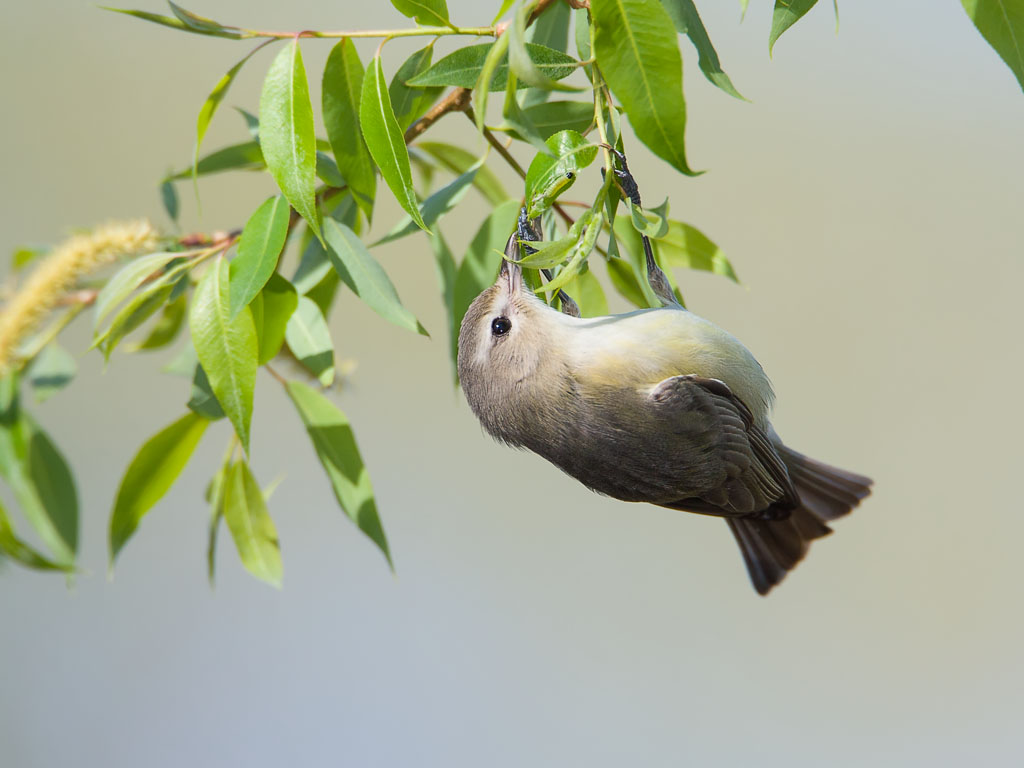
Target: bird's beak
pixel 511 272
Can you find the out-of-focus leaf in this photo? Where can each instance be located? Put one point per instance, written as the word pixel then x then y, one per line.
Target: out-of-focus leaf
pixel 786 14
pixel 327 171
pixel 252 123
pixel 226 346
pixel 202 400
pixel 278 301
pixel 286 132
pixel 462 67
pixel 341 92
pixel 687 20
pixel 13 547
pixel 459 160
pixel 556 116
pixel 365 277
pixel 626 283
pixel 246 156
pixel 505 5
pixel 166 328
pixel 516 120
pixel 435 206
pixel 495 55
pixel 335 445
pixel 169 198
pixel 410 103
pixel 637 259
pixel 588 294
pixel 184 362
pixel 444 262
pixel 138 309
pixel 27 254
pixel 520 61
pixel 579 254
pixel 310 341
pixel 259 247
pixel 51 370
pixel 429 13
pixel 215 496
pixel 126 280
pixel 637 49
pixel 206 112
pixel 551 30
pixel 151 474
pixel 249 521
pixel 42 484
pixel 199 23
pixel 686 246
pixel 1001 23
pixel 479 266
pixel 173 23
pixel 652 222
pixel 570 153
pixel 385 141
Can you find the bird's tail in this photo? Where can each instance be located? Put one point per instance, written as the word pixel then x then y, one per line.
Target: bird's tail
pixel 772 548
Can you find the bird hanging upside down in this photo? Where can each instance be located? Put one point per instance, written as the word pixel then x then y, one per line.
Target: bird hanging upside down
pixel 657 405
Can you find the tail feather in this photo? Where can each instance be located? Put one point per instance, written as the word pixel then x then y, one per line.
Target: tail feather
pixel 772 548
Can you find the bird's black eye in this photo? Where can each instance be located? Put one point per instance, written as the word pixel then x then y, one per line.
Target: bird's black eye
pixel 500 326
pixel 570 175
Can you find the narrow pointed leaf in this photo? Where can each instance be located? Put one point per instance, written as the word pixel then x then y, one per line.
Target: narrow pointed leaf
pixel 126 280
pixel 173 23
pixel 286 132
pixel 519 59
pixel 786 14
pixel 166 328
pixel 278 301
pixel 588 294
pixel 637 48
pixel 551 30
pixel 686 246
pixel 169 199
pixel 246 156
pixel 365 277
pixel 555 116
pixel 429 13
pixel 408 102
pixel 151 474
pixel 250 524
pixel 341 92
pixel 51 370
pixel 335 446
pixel 459 160
pixel 1001 23
pixel 195 21
pixel 310 341
pixel 687 20
pixel 435 206
pixel 259 247
pixel 215 496
pixel 385 141
pixel 13 547
pixel 444 262
pixel 652 222
pixel 202 400
pixel 462 67
pixel 226 346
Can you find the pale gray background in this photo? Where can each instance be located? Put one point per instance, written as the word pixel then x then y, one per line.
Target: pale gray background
pixel 870 200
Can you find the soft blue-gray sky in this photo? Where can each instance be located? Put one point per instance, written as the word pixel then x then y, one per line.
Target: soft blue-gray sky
pixel 869 197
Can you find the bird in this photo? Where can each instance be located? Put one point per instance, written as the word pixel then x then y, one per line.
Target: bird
pixel 656 405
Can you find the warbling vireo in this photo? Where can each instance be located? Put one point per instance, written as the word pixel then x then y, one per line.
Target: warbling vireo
pixel 657 405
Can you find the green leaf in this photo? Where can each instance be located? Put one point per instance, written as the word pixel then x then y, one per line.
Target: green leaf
pixel 327 171
pixel 51 370
pixel 1001 23
pixel 410 103
pixel 556 116
pixel 588 294
pixel 341 92
pixel 286 132
pixel 335 446
pixel 626 283
pixel 42 484
pixel 459 160
pixel 786 14
pixel 258 250
pixel 637 49
pixel 580 252
pixel 173 23
pixel 26 254
pixel 652 222
pixel 516 120
pixel 385 140
pixel 169 198
pixel 252 123
pixel 196 22
pixel 151 474
pixel 570 153
pixel 247 517
pixel 687 20
pixel 184 362
pixel 365 277
pixel 310 340
pixel 126 280
pixel 551 29
pixel 430 13
pixel 202 400
pixel 166 328
pixel 435 206
pixel 140 307
pixel 215 496
pixel 246 156
pixel 278 301
pixel 16 549
pixel 637 260
pixel 686 246
pixel 462 67
pixel 444 263
pixel 226 346
pixel 519 59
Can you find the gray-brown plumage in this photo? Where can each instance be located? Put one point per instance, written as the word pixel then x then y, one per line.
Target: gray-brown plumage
pixel 656 405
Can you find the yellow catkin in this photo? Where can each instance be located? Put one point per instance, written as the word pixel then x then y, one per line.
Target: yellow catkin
pixel 59 272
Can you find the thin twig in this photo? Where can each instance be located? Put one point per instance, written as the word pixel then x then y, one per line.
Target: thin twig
pixel 456 101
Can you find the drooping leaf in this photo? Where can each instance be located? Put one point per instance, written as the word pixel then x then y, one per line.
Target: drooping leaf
pixel 151 297
pixel 184 362
pixel 637 49
pixel 687 20
pixel 1001 23
pixel 336 448
pixel 169 198
pixel 520 60
pixel 652 222
pixel 252 122
pixel 786 14
pixel 385 141
pixel 286 132
pixel 278 301
pixel 259 247
pixel 586 290
pixel 686 246
pixel 365 277
pixel 579 254
pixel 435 206
pixel 570 153
pixel 246 156
pixel 516 120
pixel 625 281
pixel 341 92
pixel 206 112
pixel 497 53
pixel 459 160
pixel 462 67
pixel 227 347
pixel 126 280
pixel 13 547
pixel 250 524
pixel 555 116
pixel 51 370
pixel 429 13
pixel 166 328
pixel 327 171
pixel 215 496
pixel 410 103
pixel 173 23
pixel 310 340
pixel 151 474
pixel 199 23
pixel 551 29
pixel 636 258
pixel 202 399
